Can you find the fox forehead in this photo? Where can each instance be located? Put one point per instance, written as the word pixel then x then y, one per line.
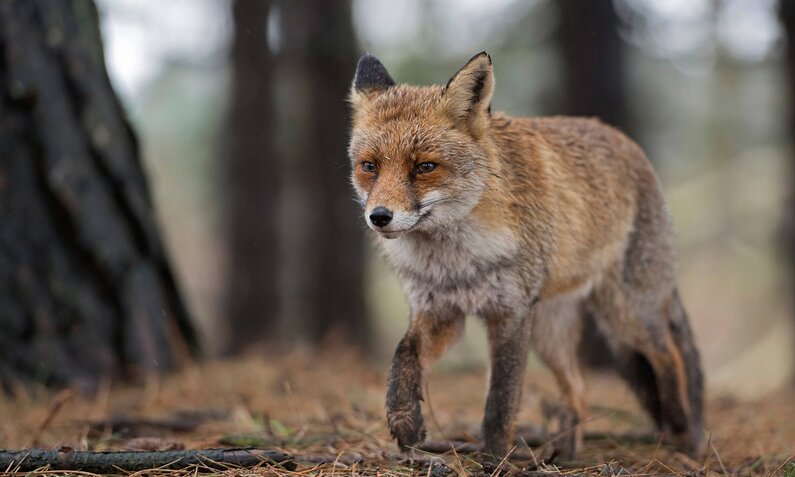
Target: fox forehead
pixel 401 123
pixel 404 117
pixel 397 140
pixel 400 102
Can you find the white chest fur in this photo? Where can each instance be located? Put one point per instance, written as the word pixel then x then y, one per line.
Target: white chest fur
pixel 472 269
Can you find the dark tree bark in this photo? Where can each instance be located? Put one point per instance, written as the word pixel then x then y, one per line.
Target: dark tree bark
pixel 251 183
pixel 85 287
pixel 593 62
pixel 787 14
pixel 593 85
pixel 325 248
pixel 296 258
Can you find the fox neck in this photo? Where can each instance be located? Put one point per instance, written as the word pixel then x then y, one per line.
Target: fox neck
pixel 466 266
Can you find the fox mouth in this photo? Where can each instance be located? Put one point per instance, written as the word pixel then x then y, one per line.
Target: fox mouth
pixel 391 234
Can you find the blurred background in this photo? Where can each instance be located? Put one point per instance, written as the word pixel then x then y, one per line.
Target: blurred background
pixel 239 108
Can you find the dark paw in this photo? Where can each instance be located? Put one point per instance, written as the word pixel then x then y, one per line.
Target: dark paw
pixel 569 438
pixel 689 443
pixel 566 448
pixel 406 425
pixel 495 447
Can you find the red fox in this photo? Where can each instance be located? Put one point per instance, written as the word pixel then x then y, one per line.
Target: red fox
pixel 528 223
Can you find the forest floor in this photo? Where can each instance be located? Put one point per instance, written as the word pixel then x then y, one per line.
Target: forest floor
pixel 327 410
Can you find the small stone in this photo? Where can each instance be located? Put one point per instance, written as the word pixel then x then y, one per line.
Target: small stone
pixel 440 470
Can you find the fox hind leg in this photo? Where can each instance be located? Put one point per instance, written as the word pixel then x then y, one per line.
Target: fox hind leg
pixel 555 338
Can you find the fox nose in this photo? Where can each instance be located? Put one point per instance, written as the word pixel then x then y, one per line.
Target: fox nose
pixel 380 216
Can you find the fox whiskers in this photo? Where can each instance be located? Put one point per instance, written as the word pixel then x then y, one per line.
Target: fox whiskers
pixel 424 205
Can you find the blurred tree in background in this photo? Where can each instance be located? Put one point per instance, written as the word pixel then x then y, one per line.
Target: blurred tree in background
pixel 593 61
pixel 324 248
pixel 251 173
pixel 787 12
pixel 86 291
pixel 592 57
pixel 296 244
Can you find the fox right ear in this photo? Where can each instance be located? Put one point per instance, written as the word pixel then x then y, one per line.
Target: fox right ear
pixel 371 76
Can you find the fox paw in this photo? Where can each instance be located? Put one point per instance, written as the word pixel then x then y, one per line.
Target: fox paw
pixel 569 439
pixel 688 442
pixel 566 447
pixel 406 425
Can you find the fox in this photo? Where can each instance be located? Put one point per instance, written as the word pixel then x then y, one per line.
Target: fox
pixel 530 224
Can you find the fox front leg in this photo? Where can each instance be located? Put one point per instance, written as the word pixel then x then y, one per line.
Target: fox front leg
pixel 424 342
pixel 509 343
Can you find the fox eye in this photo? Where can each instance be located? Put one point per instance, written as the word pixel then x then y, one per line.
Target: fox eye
pixel 368 167
pixel 425 167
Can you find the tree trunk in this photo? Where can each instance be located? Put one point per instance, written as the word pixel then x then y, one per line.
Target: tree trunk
pixel 324 246
pixel 593 61
pixel 251 183
pixel 787 14
pixel 593 65
pixel 296 258
pixel 85 287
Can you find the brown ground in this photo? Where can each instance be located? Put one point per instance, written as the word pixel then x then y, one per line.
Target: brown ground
pixel 330 407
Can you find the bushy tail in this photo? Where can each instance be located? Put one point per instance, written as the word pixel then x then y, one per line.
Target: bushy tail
pixel 683 337
pixel 636 370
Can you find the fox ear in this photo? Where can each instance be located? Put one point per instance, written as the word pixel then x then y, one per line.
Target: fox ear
pixel 371 76
pixel 467 96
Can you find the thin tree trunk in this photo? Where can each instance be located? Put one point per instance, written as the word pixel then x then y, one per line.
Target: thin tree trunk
pixel 85 287
pixel 324 247
pixel 593 61
pixel 251 183
pixel 787 14
pixel 593 66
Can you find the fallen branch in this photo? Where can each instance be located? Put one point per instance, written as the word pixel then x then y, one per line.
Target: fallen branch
pixel 440 447
pixel 113 462
pixel 141 426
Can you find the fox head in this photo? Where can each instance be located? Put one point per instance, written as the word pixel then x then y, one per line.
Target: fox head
pixel 420 153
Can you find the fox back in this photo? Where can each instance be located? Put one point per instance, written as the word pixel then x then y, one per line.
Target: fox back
pixel 527 223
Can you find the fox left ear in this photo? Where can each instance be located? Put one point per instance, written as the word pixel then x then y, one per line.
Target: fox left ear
pixel 371 75
pixel 467 96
